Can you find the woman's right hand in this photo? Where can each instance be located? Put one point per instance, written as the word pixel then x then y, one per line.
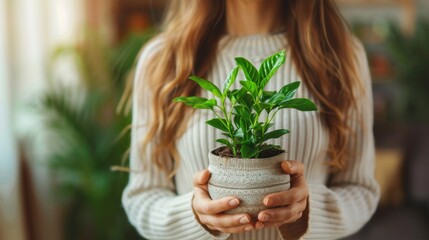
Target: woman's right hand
pixel 209 212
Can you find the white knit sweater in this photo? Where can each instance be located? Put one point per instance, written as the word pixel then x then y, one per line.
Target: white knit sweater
pixel 160 208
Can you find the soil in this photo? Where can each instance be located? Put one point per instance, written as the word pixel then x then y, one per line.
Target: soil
pixel 226 152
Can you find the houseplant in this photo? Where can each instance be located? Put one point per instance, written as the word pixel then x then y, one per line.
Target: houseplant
pixel 246 166
pixel 85 136
pixel 410 52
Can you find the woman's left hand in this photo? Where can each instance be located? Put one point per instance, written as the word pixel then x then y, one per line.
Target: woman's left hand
pixel 287 206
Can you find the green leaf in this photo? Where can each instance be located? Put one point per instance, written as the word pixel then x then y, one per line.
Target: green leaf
pixel 266 106
pixel 275 134
pixel 256 136
pixel 218 123
pixel 230 80
pixel 224 142
pixel 251 87
pixel 209 104
pixel 290 89
pixel 268 126
pixel 258 126
pixel 236 120
pixel 258 109
pixel 267 94
pixel 250 72
pixel 270 66
pixel 226 134
pixel 247 100
pixel 197 102
pixel 242 111
pixel 302 104
pixel 276 99
pixel 235 95
pixel 239 134
pixel 248 150
pixel 244 127
pixel 207 85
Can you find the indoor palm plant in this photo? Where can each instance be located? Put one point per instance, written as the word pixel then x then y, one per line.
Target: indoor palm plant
pixel 246 166
pixel 410 52
pixel 86 140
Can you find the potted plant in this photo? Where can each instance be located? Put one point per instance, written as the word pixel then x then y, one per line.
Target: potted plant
pixel 246 166
pixel 410 54
pixel 87 138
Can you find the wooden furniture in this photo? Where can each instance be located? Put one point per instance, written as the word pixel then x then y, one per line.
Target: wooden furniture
pixel 389 175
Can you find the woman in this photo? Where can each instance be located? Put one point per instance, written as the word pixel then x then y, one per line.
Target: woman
pixel 333 191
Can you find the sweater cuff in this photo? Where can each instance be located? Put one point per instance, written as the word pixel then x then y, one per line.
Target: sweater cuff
pixel 221 236
pixel 298 229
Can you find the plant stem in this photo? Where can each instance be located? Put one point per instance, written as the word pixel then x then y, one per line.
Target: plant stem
pixel 256 121
pixel 271 119
pixel 228 122
pixel 267 122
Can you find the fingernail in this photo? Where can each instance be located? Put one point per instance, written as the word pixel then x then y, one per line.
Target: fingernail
pixel 234 202
pixel 289 164
pixel 244 220
pixel 265 217
pixel 248 228
pixel 268 201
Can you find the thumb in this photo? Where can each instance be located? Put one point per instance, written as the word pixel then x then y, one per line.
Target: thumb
pixel 296 171
pixel 201 178
pixel 293 167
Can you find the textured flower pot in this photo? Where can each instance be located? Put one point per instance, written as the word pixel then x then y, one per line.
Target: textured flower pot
pixel 250 180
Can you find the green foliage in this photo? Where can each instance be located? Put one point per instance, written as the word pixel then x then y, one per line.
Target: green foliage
pixel 246 126
pixel 411 55
pixel 85 139
pixel 83 148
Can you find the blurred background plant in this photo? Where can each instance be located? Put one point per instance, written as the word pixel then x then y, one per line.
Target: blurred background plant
pixel 411 60
pixel 88 137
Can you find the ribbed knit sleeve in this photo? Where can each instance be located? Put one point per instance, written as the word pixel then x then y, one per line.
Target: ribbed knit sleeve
pixel 349 200
pixel 150 198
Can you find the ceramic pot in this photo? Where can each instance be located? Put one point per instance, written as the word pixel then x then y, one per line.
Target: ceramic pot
pixel 250 180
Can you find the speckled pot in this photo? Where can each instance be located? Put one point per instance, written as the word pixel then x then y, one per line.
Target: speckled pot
pixel 250 180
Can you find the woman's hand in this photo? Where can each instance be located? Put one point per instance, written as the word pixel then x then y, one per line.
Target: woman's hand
pixel 209 212
pixel 287 206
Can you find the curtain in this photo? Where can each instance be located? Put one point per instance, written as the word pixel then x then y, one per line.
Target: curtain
pixel 11 221
pixel 29 32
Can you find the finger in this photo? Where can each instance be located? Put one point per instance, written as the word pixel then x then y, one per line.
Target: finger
pixel 293 167
pixel 288 197
pixel 259 224
pixel 296 170
pixel 244 228
pixel 200 193
pixel 226 220
pixel 203 204
pixel 284 214
pixel 201 178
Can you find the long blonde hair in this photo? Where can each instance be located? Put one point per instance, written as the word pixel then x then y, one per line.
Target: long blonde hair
pixel 321 49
